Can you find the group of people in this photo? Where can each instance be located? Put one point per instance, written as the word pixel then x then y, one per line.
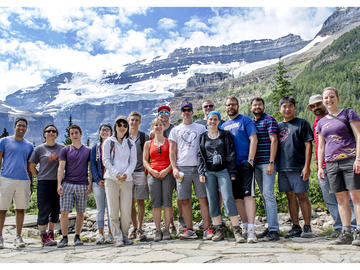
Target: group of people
pixel 219 160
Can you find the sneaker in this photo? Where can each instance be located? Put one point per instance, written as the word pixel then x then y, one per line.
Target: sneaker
pixel 173 229
pixel 127 241
pixel 188 234
pixel 158 236
pixel 201 225
pixel 78 242
pixel 51 235
pixel 219 234
pixel 119 243
pixel 334 234
pixel 239 238
pixel 109 239
pixel 182 222
pixel 345 238
pixel 19 242
pixel 251 237
pixel 294 232
pixel 208 234
pixel 100 239
pixel 263 234
pixel 46 240
pixel 133 234
pixel 272 236
pixel 63 243
pixel 307 232
pixel 140 235
pixel 1 242
pixel 166 235
pixel 356 241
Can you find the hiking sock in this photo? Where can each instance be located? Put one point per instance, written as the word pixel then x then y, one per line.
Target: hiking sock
pixel 77 236
pixel 246 226
pixel 347 228
pixel 65 237
pixel 42 232
pixel 251 227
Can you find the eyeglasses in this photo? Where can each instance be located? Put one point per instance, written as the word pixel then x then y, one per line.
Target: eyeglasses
pixel 208 106
pixel 164 112
pixel 159 149
pixel 21 126
pixel 231 104
pixel 50 131
pixel 106 129
pixel 186 110
pixel 125 125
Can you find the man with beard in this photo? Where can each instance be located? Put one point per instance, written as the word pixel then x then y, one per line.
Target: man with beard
pixel 244 131
pixel 317 107
pixel 267 134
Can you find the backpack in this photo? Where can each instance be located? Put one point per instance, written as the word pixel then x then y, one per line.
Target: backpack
pixel 112 151
pixel 346 122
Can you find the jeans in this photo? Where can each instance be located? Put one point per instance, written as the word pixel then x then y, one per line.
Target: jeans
pixel 266 184
pixel 332 205
pixel 214 181
pixel 100 198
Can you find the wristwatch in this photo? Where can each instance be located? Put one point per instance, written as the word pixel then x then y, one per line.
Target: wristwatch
pixel 250 160
pixel 271 162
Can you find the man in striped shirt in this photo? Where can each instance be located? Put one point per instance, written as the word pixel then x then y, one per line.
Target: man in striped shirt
pixel 267 134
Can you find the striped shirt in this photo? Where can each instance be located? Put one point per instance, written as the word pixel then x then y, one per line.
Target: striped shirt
pixel 265 126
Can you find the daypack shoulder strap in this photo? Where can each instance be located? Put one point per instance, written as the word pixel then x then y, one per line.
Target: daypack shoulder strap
pixel 112 152
pixel 346 122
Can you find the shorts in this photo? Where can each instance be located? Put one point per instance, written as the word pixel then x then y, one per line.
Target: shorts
pixel 17 191
pixel 292 181
pixel 140 187
pixel 73 192
pixel 48 202
pixel 244 184
pixel 341 175
pixel 161 190
pixel 191 177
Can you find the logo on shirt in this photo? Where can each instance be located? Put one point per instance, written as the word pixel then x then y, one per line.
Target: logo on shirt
pixel 189 137
pixel 284 134
pixel 234 125
pixel 52 156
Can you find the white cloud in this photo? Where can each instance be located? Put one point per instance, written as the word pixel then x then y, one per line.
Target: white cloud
pixel 196 24
pixel 166 23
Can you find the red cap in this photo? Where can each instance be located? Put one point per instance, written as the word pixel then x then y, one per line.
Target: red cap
pixel 164 108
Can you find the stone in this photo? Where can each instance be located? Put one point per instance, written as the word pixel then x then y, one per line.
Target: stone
pixel 296 258
pixel 30 233
pixel 151 257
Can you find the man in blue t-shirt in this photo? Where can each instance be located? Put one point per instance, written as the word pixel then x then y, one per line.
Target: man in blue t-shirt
pixel 15 179
pixel 244 131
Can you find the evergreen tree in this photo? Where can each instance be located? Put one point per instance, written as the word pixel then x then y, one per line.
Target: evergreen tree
pixel 67 135
pixel 282 89
pixel 88 142
pixel 4 134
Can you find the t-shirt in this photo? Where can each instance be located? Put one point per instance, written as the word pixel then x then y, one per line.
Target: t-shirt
pixel 48 157
pixel 316 139
pixel 292 138
pixel 187 139
pixel 15 157
pixel 241 127
pixel 339 143
pixel 76 168
pixel 167 132
pixel 139 153
pixel 265 126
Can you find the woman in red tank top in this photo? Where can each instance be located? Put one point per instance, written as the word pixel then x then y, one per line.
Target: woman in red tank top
pixel 156 160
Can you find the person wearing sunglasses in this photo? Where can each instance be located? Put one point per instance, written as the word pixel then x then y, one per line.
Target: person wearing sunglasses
pixel 48 201
pixel 119 158
pixel 161 181
pixel 207 106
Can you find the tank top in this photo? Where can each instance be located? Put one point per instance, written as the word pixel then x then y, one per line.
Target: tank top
pixel 159 161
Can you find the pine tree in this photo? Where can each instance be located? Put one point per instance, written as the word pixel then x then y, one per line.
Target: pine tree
pixel 282 89
pixel 67 135
pixel 4 134
pixel 88 142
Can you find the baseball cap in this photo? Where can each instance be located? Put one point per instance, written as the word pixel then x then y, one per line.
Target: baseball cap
pixel 186 103
pixel 164 108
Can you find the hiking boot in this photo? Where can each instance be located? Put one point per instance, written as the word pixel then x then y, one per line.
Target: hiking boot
pixel 345 238
pixel 46 240
pixel 1 242
pixel 239 238
pixel 166 235
pixel 140 235
pixel 294 232
pixel 63 243
pixel 219 234
pixel 334 234
pixel 182 222
pixel 127 241
pixel 263 234
pixel 158 236
pixel 188 234
pixel 173 230
pixel 78 242
pixel 109 239
pixel 19 242
pixel 307 232
pixel 201 225
pixel 208 234
pixel 356 241
pixel 251 237
pixel 51 235
pixel 133 234
pixel 100 239
pixel 272 236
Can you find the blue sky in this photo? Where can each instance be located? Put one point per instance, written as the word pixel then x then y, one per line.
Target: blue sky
pixel 39 42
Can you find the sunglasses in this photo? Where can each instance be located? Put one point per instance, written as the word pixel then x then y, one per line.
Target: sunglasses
pixel 50 131
pixel 125 125
pixel 159 149
pixel 164 112
pixel 186 110
pixel 208 106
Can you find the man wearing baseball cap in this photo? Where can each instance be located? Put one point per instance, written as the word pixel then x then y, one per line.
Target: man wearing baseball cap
pixel 317 107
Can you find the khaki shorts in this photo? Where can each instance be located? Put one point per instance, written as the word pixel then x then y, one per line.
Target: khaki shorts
pixel 17 191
